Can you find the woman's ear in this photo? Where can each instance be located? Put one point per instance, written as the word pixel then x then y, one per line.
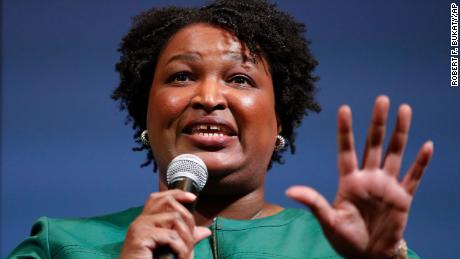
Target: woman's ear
pixel 278 124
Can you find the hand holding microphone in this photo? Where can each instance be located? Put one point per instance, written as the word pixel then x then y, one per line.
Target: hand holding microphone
pixel 166 227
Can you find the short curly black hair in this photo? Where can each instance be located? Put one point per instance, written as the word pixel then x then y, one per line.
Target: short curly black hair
pixel 263 28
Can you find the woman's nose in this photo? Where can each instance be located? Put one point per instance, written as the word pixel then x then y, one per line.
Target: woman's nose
pixel 209 96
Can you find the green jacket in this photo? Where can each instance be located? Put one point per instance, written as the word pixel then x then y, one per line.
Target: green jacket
pixel 291 233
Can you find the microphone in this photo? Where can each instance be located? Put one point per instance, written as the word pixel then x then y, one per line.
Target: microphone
pixel 186 172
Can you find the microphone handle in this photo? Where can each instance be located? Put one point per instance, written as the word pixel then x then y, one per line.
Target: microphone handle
pixel 184 184
pixel 164 252
pixel 187 185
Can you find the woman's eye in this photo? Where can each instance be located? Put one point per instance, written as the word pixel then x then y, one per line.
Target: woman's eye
pixel 241 80
pixel 180 77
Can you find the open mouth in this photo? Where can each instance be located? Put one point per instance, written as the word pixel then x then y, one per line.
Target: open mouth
pixel 209 130
pixel 210 133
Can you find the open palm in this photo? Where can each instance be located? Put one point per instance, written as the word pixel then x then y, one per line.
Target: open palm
pixel 370 211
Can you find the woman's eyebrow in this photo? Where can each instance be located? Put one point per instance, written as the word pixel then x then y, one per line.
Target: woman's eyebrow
pixel 190 56
pixel 237 56
pixel 195 56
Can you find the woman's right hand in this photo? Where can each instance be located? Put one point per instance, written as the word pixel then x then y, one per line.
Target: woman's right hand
pixel 164 222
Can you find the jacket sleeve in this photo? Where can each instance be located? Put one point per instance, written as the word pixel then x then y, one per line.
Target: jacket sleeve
pixel 36 245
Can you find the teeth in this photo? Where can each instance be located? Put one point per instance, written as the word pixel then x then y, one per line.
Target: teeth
pixel 214 127
pixel 206 127
pixel 204 134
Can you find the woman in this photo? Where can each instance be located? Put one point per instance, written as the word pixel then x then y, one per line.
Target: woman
pixel 229 82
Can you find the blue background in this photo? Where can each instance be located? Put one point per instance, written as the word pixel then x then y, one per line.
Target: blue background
pixel 66 153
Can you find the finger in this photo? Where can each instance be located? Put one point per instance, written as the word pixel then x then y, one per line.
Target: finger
pixel 415 173
pixel 179 195
pixel 165 202
pixel 393 158
pixel 200 233
pixel 376 133
pixel 173 221
pixel 315 201
pixel 163 239
pixel 347 161
pixel 168 203
pixel 146 236
pixel 184 231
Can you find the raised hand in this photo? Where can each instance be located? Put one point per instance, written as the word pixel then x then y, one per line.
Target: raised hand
pixel 370 211
pixel 164 221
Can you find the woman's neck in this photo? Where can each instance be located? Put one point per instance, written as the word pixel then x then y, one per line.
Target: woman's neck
pixel 242 206
pixel 248 206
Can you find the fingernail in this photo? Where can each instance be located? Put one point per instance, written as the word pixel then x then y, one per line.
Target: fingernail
pixel 430 145
pixel 288 191
pixel 202 231
pixel 190 195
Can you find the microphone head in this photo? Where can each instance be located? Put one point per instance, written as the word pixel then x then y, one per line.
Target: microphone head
pixel 187 166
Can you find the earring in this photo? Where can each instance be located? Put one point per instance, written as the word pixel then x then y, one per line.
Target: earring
pixel 280 143
pixel 145 138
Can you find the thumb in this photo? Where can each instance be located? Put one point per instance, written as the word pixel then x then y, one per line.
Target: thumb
pixel 315 201
pixel 200 233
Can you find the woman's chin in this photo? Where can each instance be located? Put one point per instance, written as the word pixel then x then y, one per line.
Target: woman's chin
pixel 221 162
pixel 220 154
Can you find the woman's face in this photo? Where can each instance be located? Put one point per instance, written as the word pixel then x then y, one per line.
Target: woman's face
pixel 207 99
